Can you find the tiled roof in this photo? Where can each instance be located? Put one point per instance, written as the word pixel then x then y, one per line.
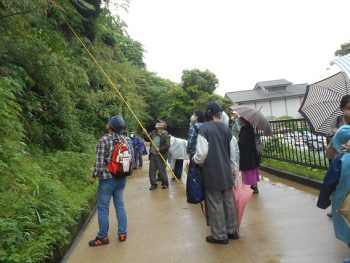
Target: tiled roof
pixel 264 94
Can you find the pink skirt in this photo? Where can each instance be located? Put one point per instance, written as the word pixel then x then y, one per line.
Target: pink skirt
pixel 250 177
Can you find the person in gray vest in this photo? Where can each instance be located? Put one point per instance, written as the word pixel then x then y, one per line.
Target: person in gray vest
pixel 161 139
pixel 216 156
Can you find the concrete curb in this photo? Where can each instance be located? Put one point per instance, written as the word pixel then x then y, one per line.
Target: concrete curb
pixel 75 239
pixel 293 177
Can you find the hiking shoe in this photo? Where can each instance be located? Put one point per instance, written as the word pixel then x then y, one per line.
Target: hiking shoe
pixel 99 241
pixel 233 236
pixel 153 186
pixel 122 237
pixel 210 239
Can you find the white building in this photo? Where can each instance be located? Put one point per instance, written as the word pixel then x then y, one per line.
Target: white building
pixel 275 98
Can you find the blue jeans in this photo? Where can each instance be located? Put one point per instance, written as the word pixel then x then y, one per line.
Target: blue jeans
pixel 106 189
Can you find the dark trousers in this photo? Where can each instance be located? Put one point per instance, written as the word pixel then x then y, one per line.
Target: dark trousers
pixel 156 163
pixel 138 159
pixel 178 168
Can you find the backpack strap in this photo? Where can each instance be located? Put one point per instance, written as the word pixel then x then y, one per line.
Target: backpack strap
pixel 195 128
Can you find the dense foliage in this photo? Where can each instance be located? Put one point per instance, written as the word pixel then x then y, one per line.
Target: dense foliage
pixel 54 103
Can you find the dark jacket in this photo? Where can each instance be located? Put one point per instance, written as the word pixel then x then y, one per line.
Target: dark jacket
pixel 164 142
pixel 330 182
pixel 248 153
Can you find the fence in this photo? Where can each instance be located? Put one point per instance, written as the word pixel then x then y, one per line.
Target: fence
pixel 292 141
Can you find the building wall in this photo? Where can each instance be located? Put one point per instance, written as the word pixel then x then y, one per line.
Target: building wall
pixel 278 108
pixel 275 108
pixel 265 108
pixel 293 105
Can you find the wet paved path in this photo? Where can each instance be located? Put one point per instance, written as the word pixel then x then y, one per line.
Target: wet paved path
pixel 281 224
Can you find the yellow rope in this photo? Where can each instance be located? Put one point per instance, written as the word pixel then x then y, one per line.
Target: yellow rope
pixel 120 95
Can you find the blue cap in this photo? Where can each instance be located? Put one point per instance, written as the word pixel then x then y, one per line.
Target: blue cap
pixel 116 123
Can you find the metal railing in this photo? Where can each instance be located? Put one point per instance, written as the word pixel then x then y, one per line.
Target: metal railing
pixel 292 141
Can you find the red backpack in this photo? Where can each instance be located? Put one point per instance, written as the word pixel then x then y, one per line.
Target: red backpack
pixel 120 164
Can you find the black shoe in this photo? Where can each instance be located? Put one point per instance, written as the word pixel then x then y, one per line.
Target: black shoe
pixel 165 186
pixel 153 186
pixel 233 236
pixel 99 241
pixel 255 189
pixel 210 239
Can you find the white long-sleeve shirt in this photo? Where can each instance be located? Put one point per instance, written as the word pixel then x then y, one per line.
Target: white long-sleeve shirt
pixel 203 149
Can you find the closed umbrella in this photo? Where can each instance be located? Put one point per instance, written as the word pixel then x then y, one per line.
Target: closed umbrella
pixel 344 208
pixel 241 195
pixel 255 117
pixel 321 102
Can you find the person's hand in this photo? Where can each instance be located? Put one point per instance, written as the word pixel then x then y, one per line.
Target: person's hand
pixel 144 130
pixel 92 180
pixel 234 173
pixel 345 147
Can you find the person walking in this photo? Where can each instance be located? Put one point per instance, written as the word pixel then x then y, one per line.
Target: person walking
pixel 109 186
pixel 249 158
pixel 138 149
pixel 161 139
pixel 216 157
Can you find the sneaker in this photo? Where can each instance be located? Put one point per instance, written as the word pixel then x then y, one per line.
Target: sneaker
pixel 122 237
pixel 153 186
pixel 210 239
pixel 99 241
pixel 165 186
pixel 233 236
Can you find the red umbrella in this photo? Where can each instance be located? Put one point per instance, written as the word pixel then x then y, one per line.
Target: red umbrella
pixel 241 195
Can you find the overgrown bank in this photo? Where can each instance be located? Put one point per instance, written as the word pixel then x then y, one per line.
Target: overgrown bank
pixel 54 103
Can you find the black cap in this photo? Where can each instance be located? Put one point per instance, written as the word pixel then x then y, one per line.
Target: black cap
pixel 213 108
pixel 116 123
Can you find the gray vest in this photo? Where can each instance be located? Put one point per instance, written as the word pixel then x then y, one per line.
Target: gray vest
pixel 216 170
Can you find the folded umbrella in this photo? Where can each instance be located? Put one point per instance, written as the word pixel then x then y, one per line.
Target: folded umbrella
pixel 255 117
pixel 241 195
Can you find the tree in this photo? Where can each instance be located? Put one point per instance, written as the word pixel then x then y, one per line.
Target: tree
pixel 344 50
pixel 195 81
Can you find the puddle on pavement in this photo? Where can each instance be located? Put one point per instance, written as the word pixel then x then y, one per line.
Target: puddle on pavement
pixel 286 184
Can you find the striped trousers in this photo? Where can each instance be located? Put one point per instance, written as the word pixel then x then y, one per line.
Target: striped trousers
pixel 222 213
